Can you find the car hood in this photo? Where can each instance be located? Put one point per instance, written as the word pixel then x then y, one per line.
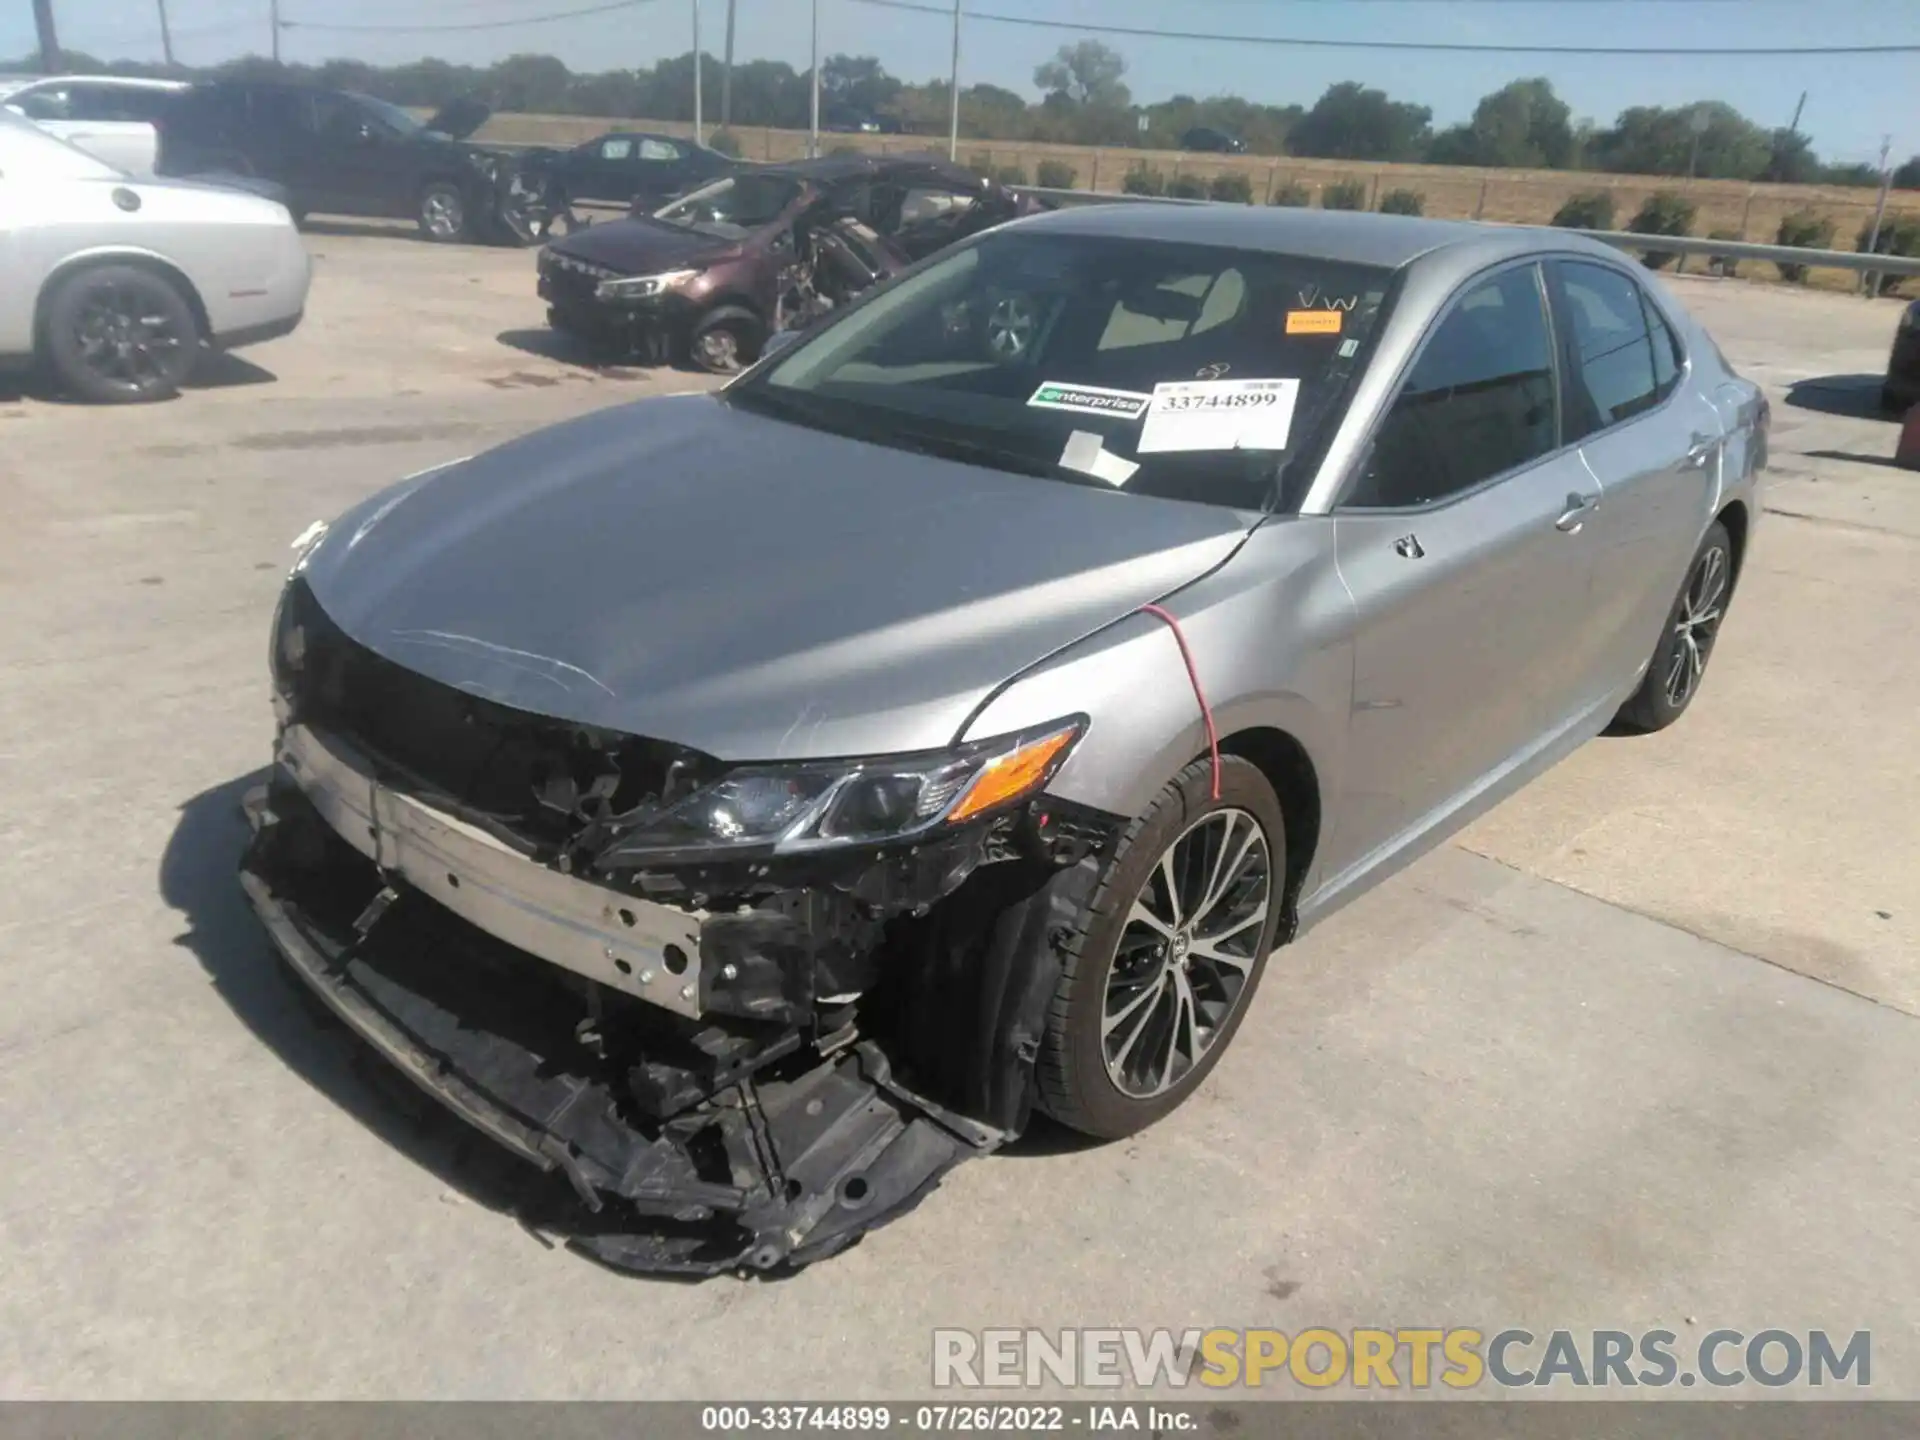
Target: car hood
pixel 458 119
pixel 642 246
pixel 683 569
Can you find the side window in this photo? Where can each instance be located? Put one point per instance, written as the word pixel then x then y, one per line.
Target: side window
pixel 337 118
pixel 1613 377
pixel 618 147
pixel 1666 350
pixel 1479 402
pixel 46 105
pixel 651 149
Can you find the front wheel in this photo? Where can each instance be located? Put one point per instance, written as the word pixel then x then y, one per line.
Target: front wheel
pixel 725 343
pixel 120 334
pixel 1686 642
pixel 1169 953
pixel 443 212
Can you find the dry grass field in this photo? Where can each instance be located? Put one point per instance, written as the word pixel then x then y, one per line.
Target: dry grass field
pixel 1746 210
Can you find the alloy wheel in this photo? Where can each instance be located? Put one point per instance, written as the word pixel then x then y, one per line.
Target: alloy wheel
pixel 1012 324
pixel 1702 604
pixel 718 350
pixel 441 211
pixel 125 340
pixel 1184 957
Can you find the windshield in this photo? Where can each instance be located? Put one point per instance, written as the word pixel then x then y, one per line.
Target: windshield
pixel 1189 372
pixel 733 207
pixel 393 115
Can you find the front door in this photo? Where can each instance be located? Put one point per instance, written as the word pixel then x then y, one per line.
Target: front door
pixel 1462 540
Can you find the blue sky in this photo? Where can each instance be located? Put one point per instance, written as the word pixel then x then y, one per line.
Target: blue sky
pixel 1852 100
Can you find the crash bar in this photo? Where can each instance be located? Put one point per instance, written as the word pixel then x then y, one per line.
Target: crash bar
pixel 1621 239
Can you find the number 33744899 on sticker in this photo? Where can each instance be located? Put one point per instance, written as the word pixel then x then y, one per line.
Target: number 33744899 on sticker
pixel 1219 415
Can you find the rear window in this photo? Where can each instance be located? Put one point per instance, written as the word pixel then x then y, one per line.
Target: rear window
pixel 1185 371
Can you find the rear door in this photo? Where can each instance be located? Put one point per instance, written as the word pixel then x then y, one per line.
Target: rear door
pixel 1461 537
pixel 1654 446
pixel 658 170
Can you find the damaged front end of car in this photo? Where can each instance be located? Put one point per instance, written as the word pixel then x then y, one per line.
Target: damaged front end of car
pixel 748 1011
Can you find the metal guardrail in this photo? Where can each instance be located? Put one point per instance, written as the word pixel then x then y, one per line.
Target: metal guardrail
pixel 1621 239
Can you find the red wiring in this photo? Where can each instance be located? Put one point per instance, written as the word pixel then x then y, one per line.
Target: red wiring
pixel 1206 713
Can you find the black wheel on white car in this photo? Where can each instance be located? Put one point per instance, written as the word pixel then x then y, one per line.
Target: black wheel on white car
pixel 1169 953
pixel 443 212
pixel 119 335
pixel 1686 641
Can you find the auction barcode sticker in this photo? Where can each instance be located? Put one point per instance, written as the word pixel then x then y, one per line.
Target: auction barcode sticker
pixel 1219 415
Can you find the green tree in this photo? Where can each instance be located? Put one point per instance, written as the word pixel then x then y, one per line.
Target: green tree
pixel 1521 124
pixel 1087 73
pixel 1792 161
pixel 1652 140
pixel 1352 122
pixel 858 83
pixel 1907 177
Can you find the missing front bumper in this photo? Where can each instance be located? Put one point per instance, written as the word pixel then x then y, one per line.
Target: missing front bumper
pixel 784 1166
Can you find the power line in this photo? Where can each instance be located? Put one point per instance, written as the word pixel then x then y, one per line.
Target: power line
pixel 601 9
pixel 1089 28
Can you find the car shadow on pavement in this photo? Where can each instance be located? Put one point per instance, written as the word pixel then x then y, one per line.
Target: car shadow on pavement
pixel 1859 459
pixel 564 349
pixel 1857 396
pixel 222 369
pixel 198 878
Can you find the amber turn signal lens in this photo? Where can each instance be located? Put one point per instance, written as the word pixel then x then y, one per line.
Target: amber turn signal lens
pixel 1008 777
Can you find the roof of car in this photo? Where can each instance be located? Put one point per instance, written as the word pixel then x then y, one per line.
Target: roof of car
pixel 1356 236
pixel 10 84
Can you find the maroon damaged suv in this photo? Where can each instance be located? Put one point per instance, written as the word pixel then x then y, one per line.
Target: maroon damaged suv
pixel 710 276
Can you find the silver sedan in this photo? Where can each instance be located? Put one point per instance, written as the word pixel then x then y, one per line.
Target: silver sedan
pixel 749 805
pixel 115 285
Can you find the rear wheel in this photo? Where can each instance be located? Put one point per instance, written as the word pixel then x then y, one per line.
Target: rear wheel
pixel 443 212
pixel 1169 953
pixel 1686 641
pixel 120 334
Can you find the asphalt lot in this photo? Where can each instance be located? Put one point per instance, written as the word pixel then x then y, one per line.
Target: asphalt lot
pixel 1642 1048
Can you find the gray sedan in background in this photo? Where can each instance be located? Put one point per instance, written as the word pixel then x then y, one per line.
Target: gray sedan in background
pixel 747 806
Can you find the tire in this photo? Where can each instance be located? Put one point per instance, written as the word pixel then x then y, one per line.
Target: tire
pixel 1112 1085
pixel 442 214
pixel 119 335
pixel 725 342
pixel 1679 663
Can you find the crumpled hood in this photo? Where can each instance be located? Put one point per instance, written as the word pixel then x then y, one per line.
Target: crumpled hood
pixel 458 119
pixel 642 246
pixel 685 570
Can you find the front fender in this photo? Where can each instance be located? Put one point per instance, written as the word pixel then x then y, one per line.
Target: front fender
pixel 1270 631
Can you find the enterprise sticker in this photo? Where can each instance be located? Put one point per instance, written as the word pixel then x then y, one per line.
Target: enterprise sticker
pixel 1219 415
pixel 1090 400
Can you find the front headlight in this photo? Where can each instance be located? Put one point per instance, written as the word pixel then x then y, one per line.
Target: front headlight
pixel 642 287
pixel 781 809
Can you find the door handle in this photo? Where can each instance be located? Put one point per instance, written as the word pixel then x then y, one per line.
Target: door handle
pixel 1574 516
pixel 1700 450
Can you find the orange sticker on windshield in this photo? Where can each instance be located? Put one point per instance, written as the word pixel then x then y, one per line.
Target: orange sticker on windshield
pixel 1313 322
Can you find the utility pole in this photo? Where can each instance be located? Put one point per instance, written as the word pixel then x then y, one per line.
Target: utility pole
pixel 1793 126
pixel 166 35
pixel 49 42
pixel 697 137
pixel 273 18
pixel 726 75
pixel 953 123
pixel 1871 282
pixel 813 125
